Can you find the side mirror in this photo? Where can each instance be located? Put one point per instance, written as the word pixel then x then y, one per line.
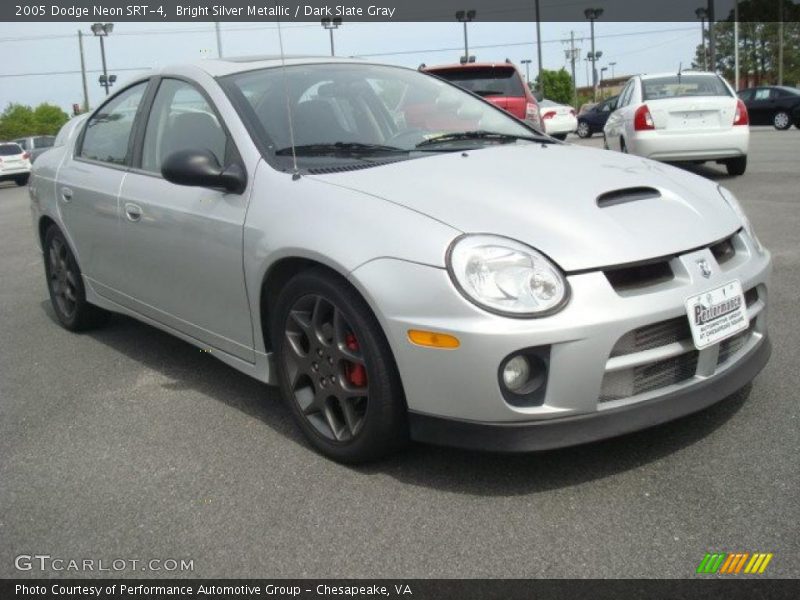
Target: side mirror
pixel 200 168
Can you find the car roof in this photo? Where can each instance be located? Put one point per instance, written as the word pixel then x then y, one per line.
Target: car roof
pixel 219 67
pixel 472 65
pixel 675 74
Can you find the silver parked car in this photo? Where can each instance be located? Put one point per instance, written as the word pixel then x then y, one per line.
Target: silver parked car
pixel 404 259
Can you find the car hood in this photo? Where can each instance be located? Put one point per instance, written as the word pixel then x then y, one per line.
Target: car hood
pixel 545 195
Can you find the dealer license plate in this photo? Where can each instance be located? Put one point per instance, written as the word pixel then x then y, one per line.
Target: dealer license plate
pixel 717 314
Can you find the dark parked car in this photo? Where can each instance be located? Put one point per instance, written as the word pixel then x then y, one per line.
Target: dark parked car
pixel 594 119
pixel 774 105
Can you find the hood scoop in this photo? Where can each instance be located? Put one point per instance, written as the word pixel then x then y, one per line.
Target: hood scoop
pixel 631 194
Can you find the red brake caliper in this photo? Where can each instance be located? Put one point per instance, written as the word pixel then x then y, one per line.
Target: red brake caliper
pixel 355 373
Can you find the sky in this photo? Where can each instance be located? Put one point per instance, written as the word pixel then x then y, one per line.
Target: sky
pixel 135 47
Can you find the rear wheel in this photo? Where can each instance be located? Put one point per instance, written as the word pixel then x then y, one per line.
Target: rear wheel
pixel 781 120
pixel 336 370
pixel 583 130
pixel 65 285
pixel 560 136
pixel 736 166
pixel 622 147
pixel 20 181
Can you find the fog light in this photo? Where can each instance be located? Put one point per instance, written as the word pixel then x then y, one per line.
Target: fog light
pixel 516 373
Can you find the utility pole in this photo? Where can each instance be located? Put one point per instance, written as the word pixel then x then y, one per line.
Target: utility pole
pixel 539 46
pixel 780 42
pixel 702 13
pixel 527 63
pixel 83 73
pixel 592 14
pixel 572 55
pixel 465 16
pixel 736 44
pixel 611 64
pixel 219 39
pixel 712 45
pixel 330 25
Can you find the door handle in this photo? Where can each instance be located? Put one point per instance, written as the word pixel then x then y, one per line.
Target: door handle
pixel 66 194
pixel 133 212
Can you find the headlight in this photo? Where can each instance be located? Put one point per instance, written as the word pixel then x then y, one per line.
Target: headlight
pixel 737 208
pixel 505 277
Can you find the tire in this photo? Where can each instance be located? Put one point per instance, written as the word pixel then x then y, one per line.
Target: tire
pixel 622 147
pixel 605 142
pixel 781 120
pixel 584 131
pixel 21 181
pixel 560 136
pixel 736 166
pixel 65 284
pixel 349 403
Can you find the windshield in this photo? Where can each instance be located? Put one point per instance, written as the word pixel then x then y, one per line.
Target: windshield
pixel 675 86
pixel 363 109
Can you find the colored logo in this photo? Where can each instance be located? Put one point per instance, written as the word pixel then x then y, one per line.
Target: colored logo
pixel 733 563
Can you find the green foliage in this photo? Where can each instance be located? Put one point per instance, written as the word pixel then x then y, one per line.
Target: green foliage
pixel 19 120
pixel 557 86
pixel 758 43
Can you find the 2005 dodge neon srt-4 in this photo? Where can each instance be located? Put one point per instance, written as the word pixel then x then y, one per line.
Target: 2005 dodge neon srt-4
pixel 406 260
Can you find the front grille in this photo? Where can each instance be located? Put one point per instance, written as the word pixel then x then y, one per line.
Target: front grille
pixel 646 378
pixel 653 336
pixel 639 276
pixel 723 251
pixel 728 348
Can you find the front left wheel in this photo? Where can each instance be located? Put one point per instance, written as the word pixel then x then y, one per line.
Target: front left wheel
pixel 336 370
pixel 65 284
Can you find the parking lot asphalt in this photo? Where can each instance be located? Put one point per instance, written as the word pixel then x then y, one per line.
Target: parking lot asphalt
pixel 128 443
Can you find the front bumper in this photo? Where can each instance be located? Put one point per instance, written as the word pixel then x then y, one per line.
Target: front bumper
pixel 581 429
pixel 586 373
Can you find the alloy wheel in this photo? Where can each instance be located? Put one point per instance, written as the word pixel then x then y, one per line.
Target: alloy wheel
pixel 326 368
pixel 63 277
pixel 781 121
pixel 583 130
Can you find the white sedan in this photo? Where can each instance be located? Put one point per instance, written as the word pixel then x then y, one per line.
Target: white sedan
pixel 687 116
pixel 557 119
pixel 15 163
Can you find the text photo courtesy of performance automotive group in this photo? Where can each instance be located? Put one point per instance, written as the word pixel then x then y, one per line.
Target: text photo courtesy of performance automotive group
pixel 406 295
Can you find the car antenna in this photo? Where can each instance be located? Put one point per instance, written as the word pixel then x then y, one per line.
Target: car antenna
pixel 295 170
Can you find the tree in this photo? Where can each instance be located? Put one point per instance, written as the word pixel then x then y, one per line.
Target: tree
pixel 49 118
pixel 758 43
pixel 556 86
pixel 19 120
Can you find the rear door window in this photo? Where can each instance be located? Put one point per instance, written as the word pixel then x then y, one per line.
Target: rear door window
pixel 487 82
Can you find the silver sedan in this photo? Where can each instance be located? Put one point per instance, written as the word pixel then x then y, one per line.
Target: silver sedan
pixel 405 260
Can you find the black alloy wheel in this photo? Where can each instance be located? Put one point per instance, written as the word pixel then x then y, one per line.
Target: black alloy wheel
pixel 336 370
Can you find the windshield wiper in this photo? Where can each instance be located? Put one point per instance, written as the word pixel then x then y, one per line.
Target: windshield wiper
pixel 480 134
pixel 337 148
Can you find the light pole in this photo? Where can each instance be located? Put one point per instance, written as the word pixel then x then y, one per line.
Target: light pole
pixel 611 64
pixel 602 70
pixel 330 25
pixel 593 57
pixel 465 16
pixel 102 30
pixel 702 13
pixel 539 45
pixel 593 14
pixel 527 63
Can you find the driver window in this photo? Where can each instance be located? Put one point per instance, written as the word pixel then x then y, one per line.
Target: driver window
pixel 181 119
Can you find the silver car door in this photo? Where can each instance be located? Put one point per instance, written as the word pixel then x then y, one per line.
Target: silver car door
pixel 88 185
pixel 184 244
